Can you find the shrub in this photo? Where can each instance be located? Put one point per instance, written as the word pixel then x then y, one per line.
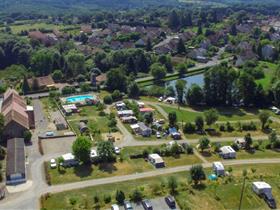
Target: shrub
pixel 145 153
pixel 108 99
pixel 96 199
pixel 230 128
pixel 222 128
pixel 136 195
pixel 2 153
pixel 116 95
pixel 189 128
pixel 73 201
pixel 235 146
pixel 102 114
pixel 107 198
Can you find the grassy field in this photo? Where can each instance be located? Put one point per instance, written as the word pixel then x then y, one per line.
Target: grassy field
pixel 269 71
pixel 225 114
pixel 127 166
pixel 221 194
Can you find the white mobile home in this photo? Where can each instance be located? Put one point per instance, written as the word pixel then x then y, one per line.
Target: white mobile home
pixel 125 113
pixel 156 160
pixel 218 168
pixel 227 152
pixel 261 188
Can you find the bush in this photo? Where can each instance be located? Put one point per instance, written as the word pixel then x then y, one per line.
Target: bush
pixel 73 201
pixel 136 196
pixel 2 153
pixel 116 95
pixel 108 99
pixel 230 128
pixel 256 146
pixel 27 135
pixel 189 128
pixel 107 199
pixel 235 146
pixel 102 114
pixel 222 128
pixel 68 90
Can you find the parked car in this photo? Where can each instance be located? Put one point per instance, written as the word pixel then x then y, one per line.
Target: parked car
pixel 170 201
pixel 117 150
pixel 269 200
pixel 147 204
pixel 49 133
pixel 53 163
pixel 127 205
pixel 158 135
pixel 115 207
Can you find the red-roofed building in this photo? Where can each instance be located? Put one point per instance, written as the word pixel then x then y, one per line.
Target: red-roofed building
pixel 18 117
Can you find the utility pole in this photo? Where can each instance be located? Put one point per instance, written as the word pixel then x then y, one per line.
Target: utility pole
pixel 242 192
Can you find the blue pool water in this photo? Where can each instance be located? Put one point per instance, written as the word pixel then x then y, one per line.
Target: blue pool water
pixel 81 98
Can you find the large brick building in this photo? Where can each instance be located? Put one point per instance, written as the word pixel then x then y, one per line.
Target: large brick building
pixel 18 116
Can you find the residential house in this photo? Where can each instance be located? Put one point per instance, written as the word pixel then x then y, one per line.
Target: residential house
pixel 45 39
pixel 198 54
pixel 15 167
pixel 87 29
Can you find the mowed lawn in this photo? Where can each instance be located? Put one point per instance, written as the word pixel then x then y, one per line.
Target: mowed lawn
pixel 269 71
pixel 124 167
pixel 221 194
pixel 225 114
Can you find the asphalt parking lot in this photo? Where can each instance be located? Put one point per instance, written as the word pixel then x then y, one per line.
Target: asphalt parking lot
pixel 158 204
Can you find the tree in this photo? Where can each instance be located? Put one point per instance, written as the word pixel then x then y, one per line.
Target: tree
pixel 233 30
pixel 116 80
pixel 204 143
pixel 133 90
pixel 172 184
pixel 158 71
pixel 199 30
pixel 25 85
pixel 197 174
pixel 182 69
pixel 60 161
pixel 246 87
pixel 180 89
pixel 120 196
pixel 211 116
pixel 173 20
pixel 181 47
pixel 148 117
pixel 27 135
pixel 42 61
pixel 105 151
pixel 248 141
pixel 194 95
pixel 57 75
pixel 81 149
pixel 199 122
pixel 75 63
pixel 172 117
pixel 35 84
pixel 149 45
pixel 136 196
pixel 276 92
pixel 264 116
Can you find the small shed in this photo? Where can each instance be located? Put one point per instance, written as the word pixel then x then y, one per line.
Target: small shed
pixel 218 168
pixel 83 127
pixel 240 142
pixel 140 104
pixel 156 160
pixel 15 169
pixel 69 160
pixel 227 152
pixel 261 188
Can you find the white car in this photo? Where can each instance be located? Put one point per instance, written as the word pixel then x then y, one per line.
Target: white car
pixel 53 163
pixel 158 135
pixel 115 207
pixel 117 150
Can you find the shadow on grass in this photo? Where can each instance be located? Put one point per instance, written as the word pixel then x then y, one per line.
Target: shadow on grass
pixel 83 170
pixel 107 167
pixel 61 171
pixel 206 154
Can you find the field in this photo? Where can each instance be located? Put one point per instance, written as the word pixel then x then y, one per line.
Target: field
pixel 223 194
pixel 269 71
pixel 124 167
pixel 225 114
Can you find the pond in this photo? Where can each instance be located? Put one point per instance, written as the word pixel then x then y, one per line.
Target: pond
pixel 195 79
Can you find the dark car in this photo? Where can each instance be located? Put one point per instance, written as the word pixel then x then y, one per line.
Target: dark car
pixel 170 201
pixel 269 200
pixel 127 205
pixel 147 204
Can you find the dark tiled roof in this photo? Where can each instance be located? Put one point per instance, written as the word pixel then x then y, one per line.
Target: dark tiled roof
pixel 15 156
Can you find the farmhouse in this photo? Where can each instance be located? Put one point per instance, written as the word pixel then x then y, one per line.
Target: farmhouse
pixel 156 160
pixel 227 152
pixel 16 171
pixel 18 117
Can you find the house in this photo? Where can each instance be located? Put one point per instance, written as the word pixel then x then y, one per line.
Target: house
pixel 156 160
pixel 227 152
pixel 45 39
pixel 87 29
pixel 218 168
pixel 15 169
pixel 125 113
pixel 130 119
pixel 42 82
pixel 83 127
pixel 198 54
pixel 140 43
pixel 261 188
pixel 268 52
pixel 144 130
pixel 69 160
pixel 18 118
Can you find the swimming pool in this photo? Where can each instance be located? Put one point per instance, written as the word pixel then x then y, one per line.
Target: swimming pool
pixel 80 98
